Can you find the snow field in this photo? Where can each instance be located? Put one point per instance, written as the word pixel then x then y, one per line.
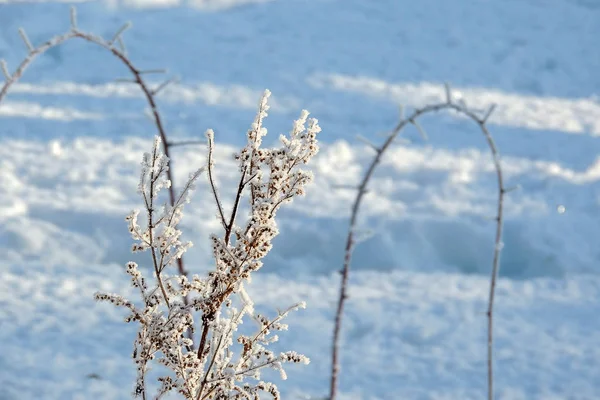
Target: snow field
pixel 72 139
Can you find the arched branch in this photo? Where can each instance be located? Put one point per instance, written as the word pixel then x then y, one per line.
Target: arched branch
pixel 117 48
pixel 481 122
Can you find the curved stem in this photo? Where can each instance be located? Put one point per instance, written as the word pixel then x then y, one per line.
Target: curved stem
pixel 362 190
pixel 149 94
pixel 138 79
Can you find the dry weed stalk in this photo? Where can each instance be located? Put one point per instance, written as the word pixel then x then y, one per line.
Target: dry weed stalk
pixel 225 360
pixel 116 47
pixel 481 122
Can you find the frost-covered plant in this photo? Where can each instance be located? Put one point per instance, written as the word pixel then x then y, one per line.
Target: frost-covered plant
pixel 221 363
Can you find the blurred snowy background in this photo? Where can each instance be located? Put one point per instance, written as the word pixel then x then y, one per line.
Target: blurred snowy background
pixel 72 138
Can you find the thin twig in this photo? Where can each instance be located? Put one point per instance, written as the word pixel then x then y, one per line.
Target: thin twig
pixel 150 208
pixel 210 164
pixel 5 72
pixel 210 365
pixel 117 35
pixel 73 18
pixel 448 93
pixel 154 71
pixel 362 189
pixel 236 204
pixel 422 132
pixel 26 40
pixel 489 112
pixel 164 85
pixel 121 44
pixel 368 142
pixel 228 226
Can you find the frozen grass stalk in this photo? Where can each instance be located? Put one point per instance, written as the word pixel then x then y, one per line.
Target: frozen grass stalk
pixel 226 364
pixel 4 67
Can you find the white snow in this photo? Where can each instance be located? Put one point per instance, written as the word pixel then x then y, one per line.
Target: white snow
pixel 33 110
pixel 233 96
pixel 415 326
pixel 578 115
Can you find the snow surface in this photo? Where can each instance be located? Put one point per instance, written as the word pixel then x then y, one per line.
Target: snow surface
pixel 72 139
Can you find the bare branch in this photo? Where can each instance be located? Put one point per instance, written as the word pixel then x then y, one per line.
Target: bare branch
pixel 489 113
pixel 367 142
pixel 238 196
pixel 73 18
pixel 247 181
pixel 119 54
pixel 448 93
pixel 164 85
pixel 496 258
pixel 154 71
pixel 150 210
pixel 121 44
pixel 398 140
pixel 5 72
pixel 420 129
pixel 26 40
pixel 351 238
pixel 117 35
pixel 210 135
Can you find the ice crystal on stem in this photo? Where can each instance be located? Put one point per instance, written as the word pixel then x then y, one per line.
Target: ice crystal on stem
pixel 219 363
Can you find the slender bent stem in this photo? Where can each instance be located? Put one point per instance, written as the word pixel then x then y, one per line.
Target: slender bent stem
pixel 137 73
pixel 362 190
